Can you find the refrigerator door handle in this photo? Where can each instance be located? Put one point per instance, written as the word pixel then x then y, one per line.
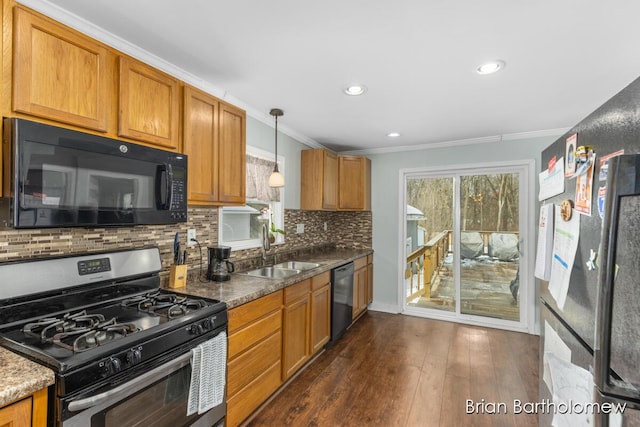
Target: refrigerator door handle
pixel 622 181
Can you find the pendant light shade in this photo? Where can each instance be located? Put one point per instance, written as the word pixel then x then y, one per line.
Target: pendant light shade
pixel 276 179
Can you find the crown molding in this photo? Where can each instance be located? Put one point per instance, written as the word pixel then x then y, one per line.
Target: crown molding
pixel 462 142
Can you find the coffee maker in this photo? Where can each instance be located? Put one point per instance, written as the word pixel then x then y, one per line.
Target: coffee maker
pixel 219 264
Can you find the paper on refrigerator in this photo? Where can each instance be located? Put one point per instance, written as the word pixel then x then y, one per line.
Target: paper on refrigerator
pixel 544 250
pixel 572 385
pixel 565 244
pixel 551 181
pixel 553 344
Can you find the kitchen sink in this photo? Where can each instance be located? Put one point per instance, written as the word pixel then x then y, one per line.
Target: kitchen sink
pixel 273 272
pixel 297 265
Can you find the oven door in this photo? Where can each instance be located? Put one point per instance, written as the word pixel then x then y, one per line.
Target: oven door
pixel 154 398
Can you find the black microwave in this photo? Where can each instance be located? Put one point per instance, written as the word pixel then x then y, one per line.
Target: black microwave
pixel 59 177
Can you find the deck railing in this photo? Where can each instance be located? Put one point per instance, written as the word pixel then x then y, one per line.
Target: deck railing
pixel 424 263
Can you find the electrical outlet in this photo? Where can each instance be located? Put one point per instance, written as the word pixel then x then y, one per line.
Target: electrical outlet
pixel 299 228
pixel 191 236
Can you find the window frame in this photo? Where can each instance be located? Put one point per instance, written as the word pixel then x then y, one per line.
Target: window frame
pixel 278 214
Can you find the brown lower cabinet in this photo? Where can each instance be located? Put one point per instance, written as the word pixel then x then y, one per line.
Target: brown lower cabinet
pixel 320 311
pixel 255 355
pixel 296 334
pixel 306 321
pixel 271 338
pixel 31 411
pixel 360 287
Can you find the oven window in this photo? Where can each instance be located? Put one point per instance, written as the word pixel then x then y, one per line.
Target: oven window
pixel 161 404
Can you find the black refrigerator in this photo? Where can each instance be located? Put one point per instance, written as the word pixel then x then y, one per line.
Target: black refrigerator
pixel 593 330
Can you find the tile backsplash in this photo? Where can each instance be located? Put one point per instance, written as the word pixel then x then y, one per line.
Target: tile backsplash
pixel 344 230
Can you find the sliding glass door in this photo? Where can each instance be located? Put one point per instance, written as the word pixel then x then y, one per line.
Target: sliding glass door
pixel 463 245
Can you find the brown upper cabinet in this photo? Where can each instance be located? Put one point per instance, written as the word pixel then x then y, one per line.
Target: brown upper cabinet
pixel 214 140
pixel 334 182
pixel 319 182
pixel 149 105
pixel 232 155
pixel 354 184
pixel 58 73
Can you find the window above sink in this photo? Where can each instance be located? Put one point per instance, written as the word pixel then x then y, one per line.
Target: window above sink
pixel 241 226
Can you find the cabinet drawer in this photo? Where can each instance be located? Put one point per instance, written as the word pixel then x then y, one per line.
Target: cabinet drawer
pixel 17 414
pixel 320 280
pixel 242 315
pixel 249 398
pixel 359 263
pixel 243 339
pixel 297 291
pixel 251 364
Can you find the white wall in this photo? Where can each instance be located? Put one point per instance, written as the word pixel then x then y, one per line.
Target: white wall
pixel 262 136
pixel 385 198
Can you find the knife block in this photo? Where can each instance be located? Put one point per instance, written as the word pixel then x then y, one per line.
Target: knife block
pixel 178 276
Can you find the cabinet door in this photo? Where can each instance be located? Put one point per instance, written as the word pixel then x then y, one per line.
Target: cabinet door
pixel 200 143
pixel 58 73
pixel 17 414
pixel 319 180
pixel 296 331
pixel 232 155
pixel 354 183
pixel 149 105
pixel 330 181
pixel 359 291
pixel 320 318
pixel 320 311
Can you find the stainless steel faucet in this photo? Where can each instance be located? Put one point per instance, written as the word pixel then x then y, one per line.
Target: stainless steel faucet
pixel 266 244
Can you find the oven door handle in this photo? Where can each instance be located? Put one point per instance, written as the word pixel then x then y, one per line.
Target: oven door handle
pixel 138 383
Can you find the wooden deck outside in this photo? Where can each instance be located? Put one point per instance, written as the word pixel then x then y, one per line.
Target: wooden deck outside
pixel 484 289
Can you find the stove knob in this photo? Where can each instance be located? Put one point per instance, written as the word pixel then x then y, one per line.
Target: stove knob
pixel 196 329
pixel 111 366
pixel 206 324
pixel 134 356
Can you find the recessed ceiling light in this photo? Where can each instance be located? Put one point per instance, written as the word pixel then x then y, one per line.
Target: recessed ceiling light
pixel 355 90
pixel 393 134
pixel 490 67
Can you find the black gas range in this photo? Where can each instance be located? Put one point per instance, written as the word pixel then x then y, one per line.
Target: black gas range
pixel 102 323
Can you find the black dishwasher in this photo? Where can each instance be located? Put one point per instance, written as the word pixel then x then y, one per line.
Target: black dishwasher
pixel 341 301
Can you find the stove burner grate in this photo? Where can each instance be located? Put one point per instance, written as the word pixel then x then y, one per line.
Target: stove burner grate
pixel 169 305
pixel 90 330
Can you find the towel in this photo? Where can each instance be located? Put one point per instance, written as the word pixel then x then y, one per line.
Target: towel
pixel 208 373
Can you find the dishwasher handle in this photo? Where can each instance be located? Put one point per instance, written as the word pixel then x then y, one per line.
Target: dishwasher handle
pixel 344 269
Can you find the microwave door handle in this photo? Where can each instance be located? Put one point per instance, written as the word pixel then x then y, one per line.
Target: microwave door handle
pixel 169 186
pixel 164 204
pixel 129 388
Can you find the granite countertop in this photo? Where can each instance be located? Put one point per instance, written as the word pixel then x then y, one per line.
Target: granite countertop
pixel 21 377
pixel 243 288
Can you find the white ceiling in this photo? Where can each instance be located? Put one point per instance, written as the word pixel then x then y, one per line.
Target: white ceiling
pixel 564 58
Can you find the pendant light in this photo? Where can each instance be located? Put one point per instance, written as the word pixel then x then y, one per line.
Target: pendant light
pixel 276 179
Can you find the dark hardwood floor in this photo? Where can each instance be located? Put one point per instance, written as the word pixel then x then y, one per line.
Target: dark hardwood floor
pixel 395 370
